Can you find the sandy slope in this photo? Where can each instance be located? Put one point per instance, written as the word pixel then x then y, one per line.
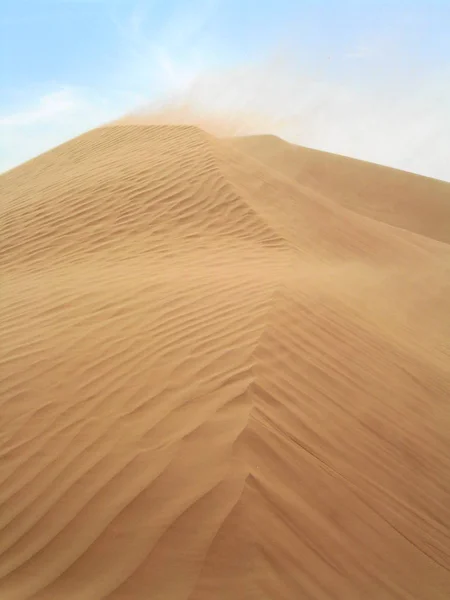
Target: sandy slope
pixel 217 381
pixel 416 203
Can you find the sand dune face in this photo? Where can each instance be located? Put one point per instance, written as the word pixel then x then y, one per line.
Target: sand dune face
pixel 219 380
pixel 412 202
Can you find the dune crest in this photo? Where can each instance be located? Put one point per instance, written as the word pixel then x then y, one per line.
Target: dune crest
pixel 225 373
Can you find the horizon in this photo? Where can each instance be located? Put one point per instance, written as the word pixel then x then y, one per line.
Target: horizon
pixel 369 82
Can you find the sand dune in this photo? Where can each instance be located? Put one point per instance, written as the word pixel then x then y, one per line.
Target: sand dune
pixel 224 373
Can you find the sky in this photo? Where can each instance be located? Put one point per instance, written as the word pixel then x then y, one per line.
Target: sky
pixel 368 79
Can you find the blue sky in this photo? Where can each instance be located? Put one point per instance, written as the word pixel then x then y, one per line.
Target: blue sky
pixel 369 79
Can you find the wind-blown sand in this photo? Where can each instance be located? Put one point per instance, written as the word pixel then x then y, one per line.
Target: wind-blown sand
pixel 225 373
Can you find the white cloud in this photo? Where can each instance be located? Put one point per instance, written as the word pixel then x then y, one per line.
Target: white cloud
pixel 54 117
pixel 49 106
pixel 171 60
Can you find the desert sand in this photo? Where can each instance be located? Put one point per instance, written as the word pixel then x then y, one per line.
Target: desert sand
pixel 224 373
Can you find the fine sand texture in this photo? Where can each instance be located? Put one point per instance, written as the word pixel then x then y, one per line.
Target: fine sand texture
pixel 224 373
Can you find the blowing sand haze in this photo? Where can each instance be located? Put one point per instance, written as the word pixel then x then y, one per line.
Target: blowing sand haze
pixel 225 373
